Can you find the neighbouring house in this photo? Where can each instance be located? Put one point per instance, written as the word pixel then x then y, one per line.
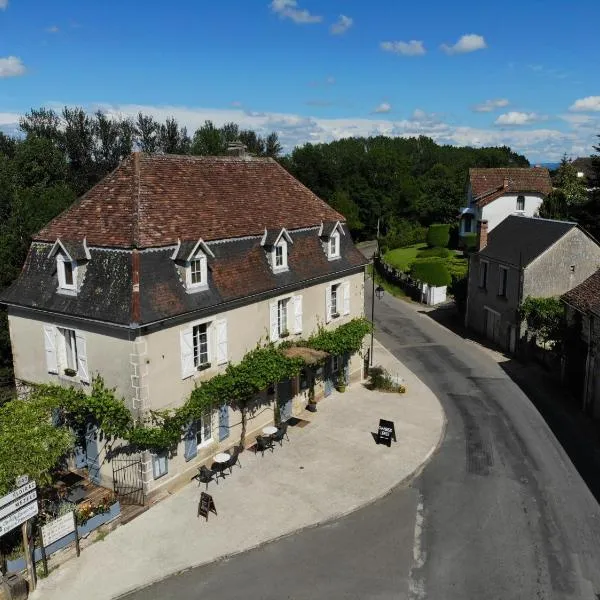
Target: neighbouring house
pixel 586 171
pixel 169 269
pixel 581 370
pixel 521 257
pixel 494 194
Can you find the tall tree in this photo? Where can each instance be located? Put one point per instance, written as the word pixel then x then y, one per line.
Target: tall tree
pixel 272 146
pixel 172 139
pixel 147 130
pixel 572 186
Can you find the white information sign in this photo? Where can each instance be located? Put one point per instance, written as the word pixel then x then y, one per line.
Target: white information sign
pixel 18 503
pixel 29 487
pixel 22 480
pixel 17 518
pixel 57 529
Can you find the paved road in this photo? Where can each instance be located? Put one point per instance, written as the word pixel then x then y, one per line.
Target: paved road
pixel 499 513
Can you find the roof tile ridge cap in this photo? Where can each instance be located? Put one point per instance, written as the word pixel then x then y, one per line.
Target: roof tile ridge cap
pixel 136 199
pixel 35 238
pixel 340 218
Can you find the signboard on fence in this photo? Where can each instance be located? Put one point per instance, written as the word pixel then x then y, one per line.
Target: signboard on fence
pixel 386 432
pixel 18 518
pixel 58 529
pixel 12 496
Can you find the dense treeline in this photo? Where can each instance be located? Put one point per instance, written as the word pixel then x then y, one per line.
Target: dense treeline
pixel 393 179
pixel 60 156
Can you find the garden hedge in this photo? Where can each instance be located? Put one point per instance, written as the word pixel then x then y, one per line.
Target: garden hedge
pixel 434 252
pixel 438 235
pixel 432 271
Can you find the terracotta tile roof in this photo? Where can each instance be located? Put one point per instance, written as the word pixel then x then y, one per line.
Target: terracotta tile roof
pixel 152 200
pixel 489 184
pixel 585 296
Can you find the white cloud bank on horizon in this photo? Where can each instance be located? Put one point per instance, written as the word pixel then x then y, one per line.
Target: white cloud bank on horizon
pixel 490 105
pixel 341 25
pixel 11 66
pixel 288 9
pixel 588 104
pixel 467 43
pixel 518 118
pixel 412 48
pixel 3 4
pixel 540 144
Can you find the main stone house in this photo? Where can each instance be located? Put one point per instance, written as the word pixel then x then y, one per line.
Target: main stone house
pixel 165 272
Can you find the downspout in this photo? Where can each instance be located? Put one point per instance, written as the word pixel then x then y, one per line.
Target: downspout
pixel 588 360
pixel 519 300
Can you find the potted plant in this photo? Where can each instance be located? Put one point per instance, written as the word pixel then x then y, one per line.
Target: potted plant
pixel 312 403
pixel 285 333
pixel 340 384
pixel 204 366
pixel 70 372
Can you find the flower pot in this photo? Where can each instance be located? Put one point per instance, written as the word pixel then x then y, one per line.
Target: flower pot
pixel 310 407
pixel 341 389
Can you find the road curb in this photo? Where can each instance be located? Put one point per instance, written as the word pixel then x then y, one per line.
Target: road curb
pixel 330 519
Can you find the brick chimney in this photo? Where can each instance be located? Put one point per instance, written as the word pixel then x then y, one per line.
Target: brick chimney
pixel 236 149
pixel 482 234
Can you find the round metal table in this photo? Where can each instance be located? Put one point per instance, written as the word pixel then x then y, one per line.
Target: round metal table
pixel 222 457
pixel 270 430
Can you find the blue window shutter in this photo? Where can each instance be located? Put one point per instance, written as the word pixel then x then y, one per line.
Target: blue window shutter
pixel 223 422
pixel 191 446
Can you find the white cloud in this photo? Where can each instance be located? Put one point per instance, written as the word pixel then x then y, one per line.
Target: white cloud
pixel 288 9
pixel 53 29
pixel 588 104
pixel 11 66
pixel 341 25
pixel 491 105
pixel 518 118
pixel 467 43
pixel 412 48
pixel 384 107
pixel 3 4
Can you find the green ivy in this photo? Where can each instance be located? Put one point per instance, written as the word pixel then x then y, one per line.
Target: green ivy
pixel 261 367
pixel 545 318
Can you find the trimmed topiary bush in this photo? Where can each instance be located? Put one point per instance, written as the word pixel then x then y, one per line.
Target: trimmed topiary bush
pixel 469 241
pixel 434 252
pixel 438 235
pixel 432 271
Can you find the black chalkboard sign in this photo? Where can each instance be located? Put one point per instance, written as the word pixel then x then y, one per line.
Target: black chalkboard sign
pixel 386 432
pixel 206 505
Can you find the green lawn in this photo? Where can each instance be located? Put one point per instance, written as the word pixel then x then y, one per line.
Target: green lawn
pixel 402 257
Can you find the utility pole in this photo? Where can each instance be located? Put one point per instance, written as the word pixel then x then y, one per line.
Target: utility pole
pixel 375 254
pixel 25 531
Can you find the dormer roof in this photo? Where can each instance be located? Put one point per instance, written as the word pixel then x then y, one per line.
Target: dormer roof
pixel 328 228
pixel 188 248
pixel 73 250
pixel 271 237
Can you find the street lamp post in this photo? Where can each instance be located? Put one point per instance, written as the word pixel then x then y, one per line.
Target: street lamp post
pixel 379 291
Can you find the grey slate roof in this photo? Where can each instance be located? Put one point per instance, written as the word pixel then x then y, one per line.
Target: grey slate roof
pixel 520 240
pixel 239 271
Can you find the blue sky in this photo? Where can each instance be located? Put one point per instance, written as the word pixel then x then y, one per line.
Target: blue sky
pixel 521 73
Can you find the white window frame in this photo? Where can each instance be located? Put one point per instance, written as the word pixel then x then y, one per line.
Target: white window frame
pixel 502 281
pixel 205 420
pixel 209 352
pixel 281 245
pixel 484 266
pixel 342 300
pixel 283 312
pixel 203 283
pixel 160 465
pixel 333 245
pixel 61 262
pixel 67 349
pixel 519 198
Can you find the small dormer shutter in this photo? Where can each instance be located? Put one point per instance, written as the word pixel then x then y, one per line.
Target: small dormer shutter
pixel 298 314
pixel 50 345
pixel 274 324
pixel 346 292
pixel 328 304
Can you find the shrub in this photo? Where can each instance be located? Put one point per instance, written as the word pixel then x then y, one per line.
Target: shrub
pixel 381 380
pixel 438 235
pixel 432 271
pixel 437 252
pixel 404 234
pixel 469 241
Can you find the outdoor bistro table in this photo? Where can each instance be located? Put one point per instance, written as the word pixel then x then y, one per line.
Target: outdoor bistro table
pixel 269 430
pixel 222 457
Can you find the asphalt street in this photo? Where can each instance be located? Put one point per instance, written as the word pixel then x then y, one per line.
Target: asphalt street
pixel 500 512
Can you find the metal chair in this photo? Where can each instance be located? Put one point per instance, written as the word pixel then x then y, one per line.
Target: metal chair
pixel 234 460
pixel 278 437
pixel 219 469
pixel 283 426
pixel 205 475
pixel 262 444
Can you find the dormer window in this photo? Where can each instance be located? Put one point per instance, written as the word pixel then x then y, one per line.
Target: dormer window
pixel 196 271
pixel 280 256
pixel 67 270
pixel 334 245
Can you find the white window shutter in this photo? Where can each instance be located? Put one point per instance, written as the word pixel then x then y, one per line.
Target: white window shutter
pixel 346 292
pixel 50 345
pixel 298 314
pixel 187 353
pixel 274 326
pixel 328 304
pixel 222 342
pixel 82 363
